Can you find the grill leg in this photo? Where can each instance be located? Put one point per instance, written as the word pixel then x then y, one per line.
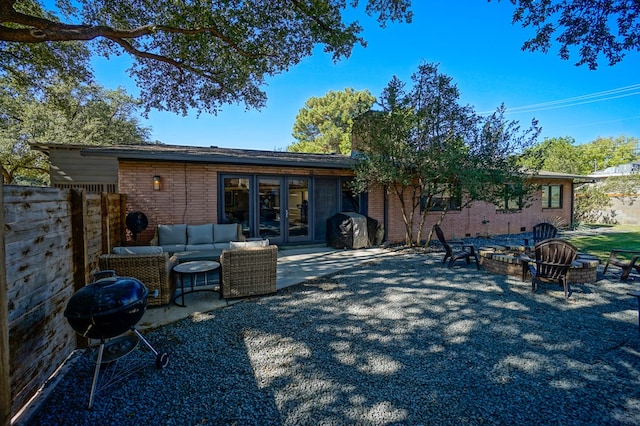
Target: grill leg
pixel 96 373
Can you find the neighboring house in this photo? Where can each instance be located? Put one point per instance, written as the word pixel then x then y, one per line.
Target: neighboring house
pixel 69 169
pixel 286 197
pixel 624 208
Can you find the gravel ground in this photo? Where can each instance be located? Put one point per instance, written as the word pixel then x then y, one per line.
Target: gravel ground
pixel 400 341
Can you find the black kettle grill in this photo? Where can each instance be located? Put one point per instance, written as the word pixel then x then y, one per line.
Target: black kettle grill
pixel 106 308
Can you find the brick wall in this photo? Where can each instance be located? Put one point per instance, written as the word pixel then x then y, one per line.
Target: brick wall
pixel 189 194
pixel 469 221
pixel 188 191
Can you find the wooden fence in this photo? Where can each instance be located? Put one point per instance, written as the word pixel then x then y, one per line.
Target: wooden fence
pixel 52 241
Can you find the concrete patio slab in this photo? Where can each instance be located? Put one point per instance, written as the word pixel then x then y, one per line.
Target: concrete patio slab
pixel 295 265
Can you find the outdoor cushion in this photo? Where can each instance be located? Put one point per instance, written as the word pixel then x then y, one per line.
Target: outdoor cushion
pixel 200 234
pixel 137 250
pixel 199 247
pixel 222 246
pixel 172 234
pixel 223 233
pixel 234 245
pixel 173 248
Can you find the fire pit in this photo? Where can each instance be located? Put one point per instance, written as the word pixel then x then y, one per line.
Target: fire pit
pixel 107 308
pixel 506 260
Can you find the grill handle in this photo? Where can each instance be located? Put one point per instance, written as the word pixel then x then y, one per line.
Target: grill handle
pixel 107 273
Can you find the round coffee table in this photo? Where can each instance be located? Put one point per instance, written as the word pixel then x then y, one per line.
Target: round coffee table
pixel 193 269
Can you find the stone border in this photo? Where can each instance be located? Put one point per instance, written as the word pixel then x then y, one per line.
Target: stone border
pixel 494 259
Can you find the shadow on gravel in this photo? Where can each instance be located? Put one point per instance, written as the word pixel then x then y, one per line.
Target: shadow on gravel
pixel 402 340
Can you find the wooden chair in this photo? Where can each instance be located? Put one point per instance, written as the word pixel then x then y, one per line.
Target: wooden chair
pixel 462 251
pixel 553 258
pixel 627 263
pixel 542 231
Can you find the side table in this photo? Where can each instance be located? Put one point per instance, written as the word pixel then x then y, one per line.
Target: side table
pixel 192 269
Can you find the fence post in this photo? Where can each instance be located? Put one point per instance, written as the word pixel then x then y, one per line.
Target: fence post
pixel 106 223
pixel 79 244
pixel 5 380
pixel 123 220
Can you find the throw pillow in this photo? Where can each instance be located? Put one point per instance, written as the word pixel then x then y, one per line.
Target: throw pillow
pixel 235 245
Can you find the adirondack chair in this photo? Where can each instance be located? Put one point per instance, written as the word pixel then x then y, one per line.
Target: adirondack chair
pixel 627 264
pixel 461 250
pixel 553 258
pixel 542 231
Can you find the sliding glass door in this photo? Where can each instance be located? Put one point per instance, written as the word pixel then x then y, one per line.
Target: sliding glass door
pixel 297 209
pixel 284 209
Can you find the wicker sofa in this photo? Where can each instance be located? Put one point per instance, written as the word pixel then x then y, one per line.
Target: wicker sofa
pixel 153 269
pixel 249 271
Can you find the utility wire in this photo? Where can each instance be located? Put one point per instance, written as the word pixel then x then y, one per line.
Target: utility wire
pixel 605 95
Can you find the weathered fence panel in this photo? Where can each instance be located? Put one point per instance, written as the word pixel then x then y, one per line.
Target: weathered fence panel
pixel 53 238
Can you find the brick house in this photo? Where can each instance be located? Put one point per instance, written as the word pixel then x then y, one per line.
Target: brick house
pixel 283 196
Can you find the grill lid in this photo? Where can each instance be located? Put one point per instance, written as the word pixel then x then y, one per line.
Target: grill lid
pixel 105 297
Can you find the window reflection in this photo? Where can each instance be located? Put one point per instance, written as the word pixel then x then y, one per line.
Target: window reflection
pixel 236 202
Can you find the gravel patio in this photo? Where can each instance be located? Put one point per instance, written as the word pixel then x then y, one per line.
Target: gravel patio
pixel 402 340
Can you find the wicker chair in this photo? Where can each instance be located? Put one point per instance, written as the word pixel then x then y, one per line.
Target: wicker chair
pixel 248 272
pixel 154 270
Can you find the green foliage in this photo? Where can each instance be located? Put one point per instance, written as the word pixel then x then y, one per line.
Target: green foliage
pixel 608 152
pixel 187 54
pixel 425 144
pixel 325 124
pixel 591 203
pixel 562 155
pixel 586 28
pixel 63 113
pixel 624 187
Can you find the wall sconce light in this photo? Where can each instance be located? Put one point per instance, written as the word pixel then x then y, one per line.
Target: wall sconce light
pixel 156 183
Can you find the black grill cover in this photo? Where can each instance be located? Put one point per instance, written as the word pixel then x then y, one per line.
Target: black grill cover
pixel 351 230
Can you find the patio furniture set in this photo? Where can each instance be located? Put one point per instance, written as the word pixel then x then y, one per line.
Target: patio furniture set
pixel 246 268
pixel 550 260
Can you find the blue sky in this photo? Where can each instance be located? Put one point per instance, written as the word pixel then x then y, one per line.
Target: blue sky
pixel 473 41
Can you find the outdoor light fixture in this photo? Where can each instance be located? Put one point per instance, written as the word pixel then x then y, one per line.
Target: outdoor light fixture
pixel 156 183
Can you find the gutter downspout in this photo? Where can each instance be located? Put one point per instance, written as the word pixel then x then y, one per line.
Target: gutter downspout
pixel 385 214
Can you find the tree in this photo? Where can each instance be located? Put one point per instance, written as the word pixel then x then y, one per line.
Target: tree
pixel 608 152
pixel 424 147
pixel 187 54
pixel 554 155
pixel 603 28
pixel 325 124
pixel 87 115
pixel 592 201
pixel 563 155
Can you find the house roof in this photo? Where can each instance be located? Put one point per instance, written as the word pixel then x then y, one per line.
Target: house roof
pixel 213 154
pixel 557 175
pixel 620 170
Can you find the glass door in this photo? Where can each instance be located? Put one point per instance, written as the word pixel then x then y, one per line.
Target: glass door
pixel 270 214
pixel 298 209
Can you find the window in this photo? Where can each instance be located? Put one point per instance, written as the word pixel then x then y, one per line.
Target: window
pixel 552 196
pixel 511 199
pixel 442 200
pixel 350 201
